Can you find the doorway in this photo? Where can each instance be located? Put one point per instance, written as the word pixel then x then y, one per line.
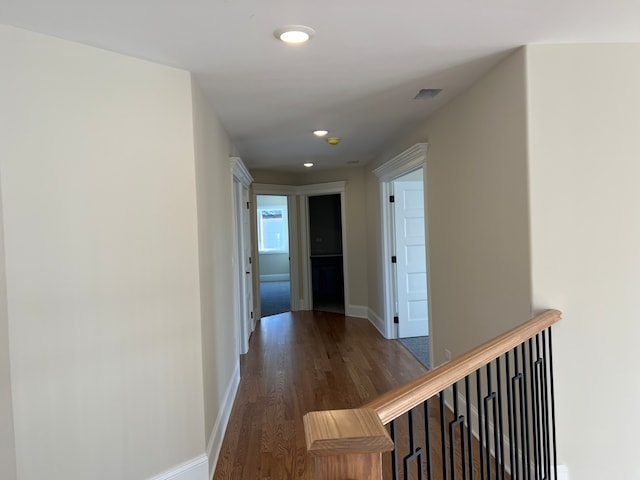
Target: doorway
pixel 326 253
pixel 272 214
pixel 410 255
pixel 401 224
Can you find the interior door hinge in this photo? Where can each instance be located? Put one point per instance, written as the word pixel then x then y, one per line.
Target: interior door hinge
pixel 247 205
pixel 251 314
pixel 396 320
pixel 392 198
pixel 394 259
pixel 249 260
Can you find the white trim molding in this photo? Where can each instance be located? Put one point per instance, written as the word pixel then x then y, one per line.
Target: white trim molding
pixel 220 426
pixel 409 160
pixel 358 311
pixel 377 322
pixel 309 190
pixel 240 171
pixel 194 469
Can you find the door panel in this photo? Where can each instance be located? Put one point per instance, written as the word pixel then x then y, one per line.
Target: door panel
pixel 411 267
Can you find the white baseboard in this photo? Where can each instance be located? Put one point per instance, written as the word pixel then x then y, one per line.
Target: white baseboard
pixel 563 473
pixel 376 321
pixel 358 311
pixel 220 426
pixel 275 277
pixel 195 469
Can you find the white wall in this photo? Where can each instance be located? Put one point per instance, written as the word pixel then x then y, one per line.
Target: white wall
pixel 477 210
pixel 7 443
pixel 98 191
pixel 220 333
pixel 584 110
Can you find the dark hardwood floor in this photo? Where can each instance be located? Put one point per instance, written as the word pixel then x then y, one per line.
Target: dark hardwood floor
pixel 300 362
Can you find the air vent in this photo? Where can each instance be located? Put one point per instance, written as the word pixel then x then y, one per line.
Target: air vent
pixel 427 93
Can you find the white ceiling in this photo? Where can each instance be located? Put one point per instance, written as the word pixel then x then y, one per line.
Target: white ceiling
pixel 356 78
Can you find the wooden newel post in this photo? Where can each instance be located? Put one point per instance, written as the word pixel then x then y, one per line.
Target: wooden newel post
pixel 346 444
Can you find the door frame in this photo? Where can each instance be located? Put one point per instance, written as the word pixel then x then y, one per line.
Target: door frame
pixel 406 162
pixel 306 191
pixel 292 206
pixel 299 247
pixel 245 319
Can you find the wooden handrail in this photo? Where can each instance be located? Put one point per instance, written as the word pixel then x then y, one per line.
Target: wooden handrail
pixel 394 403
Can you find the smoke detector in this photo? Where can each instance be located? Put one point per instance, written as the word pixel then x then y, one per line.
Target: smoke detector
pixel 427 93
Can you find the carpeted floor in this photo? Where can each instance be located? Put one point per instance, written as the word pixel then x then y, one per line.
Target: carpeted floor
pixel 275 297
pixel 419 348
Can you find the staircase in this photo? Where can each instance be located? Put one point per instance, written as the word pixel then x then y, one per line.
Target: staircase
pixel 487 414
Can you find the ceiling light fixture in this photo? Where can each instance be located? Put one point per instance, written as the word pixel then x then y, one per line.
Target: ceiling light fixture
pixel 320 133
pixel 294 34
pixel 427 93
pixel 308 164
pixel 333 140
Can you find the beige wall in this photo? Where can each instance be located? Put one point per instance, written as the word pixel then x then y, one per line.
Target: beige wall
pixel 99 203
pixel 274 177
pixel 220 355
pixel 584 107
pixel 7 443
pixel 476 185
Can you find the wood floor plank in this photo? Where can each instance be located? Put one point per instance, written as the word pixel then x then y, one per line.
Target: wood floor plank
pixel 300 362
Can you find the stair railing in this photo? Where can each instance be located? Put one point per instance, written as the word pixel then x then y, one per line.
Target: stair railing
pixel 487 414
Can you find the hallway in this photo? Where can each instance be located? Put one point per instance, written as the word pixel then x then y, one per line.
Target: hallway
pixel 300 362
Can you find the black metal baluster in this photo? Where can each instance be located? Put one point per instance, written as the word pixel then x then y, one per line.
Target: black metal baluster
pixel 414 453
pixel 510 413
pixel 553 407
pixel 427 433
pixel 519 450
pixel 535 409
pixel 526 444
pixel 458 421
pixel 467 394
pixel 545 408
pixel 487 398
pixel 500 433
pixel 394 453
pixel 452 438
pixel 443 437
pixel 480 422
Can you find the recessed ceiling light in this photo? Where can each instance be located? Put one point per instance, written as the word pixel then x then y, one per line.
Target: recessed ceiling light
pixel 320 133
pixel 294 33
pixel 308 164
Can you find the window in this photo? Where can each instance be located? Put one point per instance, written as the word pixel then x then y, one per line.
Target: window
pixel 272 230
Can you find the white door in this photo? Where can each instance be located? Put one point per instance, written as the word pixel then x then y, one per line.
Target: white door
pixel 411 262
pixel 245 282
pixel 248 270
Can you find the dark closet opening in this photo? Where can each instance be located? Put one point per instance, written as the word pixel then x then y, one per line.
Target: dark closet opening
pixel 325 233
